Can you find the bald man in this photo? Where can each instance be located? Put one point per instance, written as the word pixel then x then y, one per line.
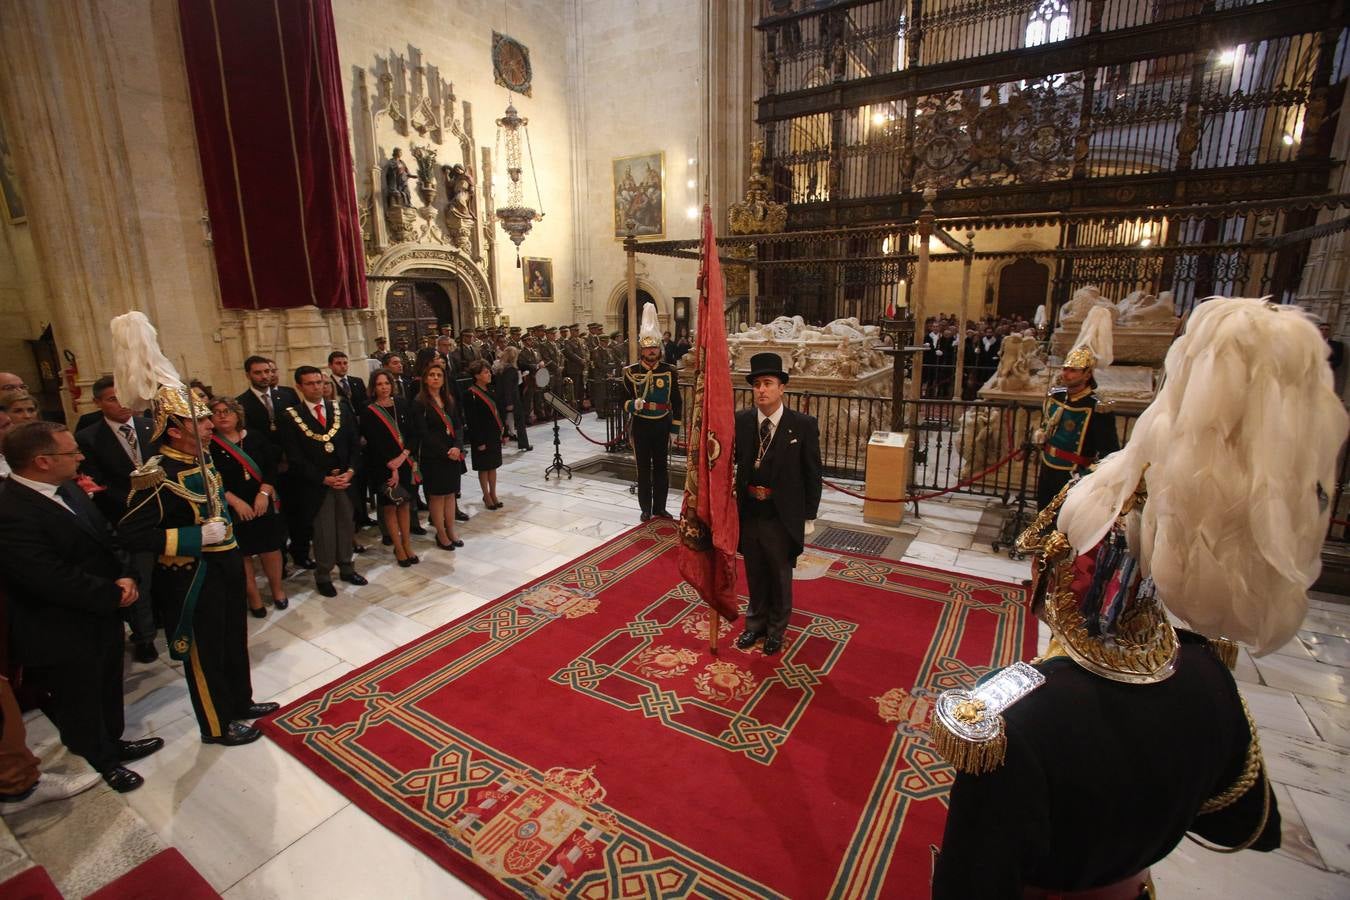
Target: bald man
pixel 9 380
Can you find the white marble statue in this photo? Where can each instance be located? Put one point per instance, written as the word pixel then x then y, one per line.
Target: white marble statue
pixel 1076 310
pixel 1140 308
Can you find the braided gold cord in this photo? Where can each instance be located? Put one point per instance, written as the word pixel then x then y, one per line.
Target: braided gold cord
pixel 1250 771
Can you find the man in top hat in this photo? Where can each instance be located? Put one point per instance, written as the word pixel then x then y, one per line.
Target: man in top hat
pixel 654 403
pixel 777 493
pixel 1080 770
pixel 1077 428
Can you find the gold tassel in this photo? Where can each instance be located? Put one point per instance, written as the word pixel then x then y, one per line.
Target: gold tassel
pixel 971 757
pixel 1225 650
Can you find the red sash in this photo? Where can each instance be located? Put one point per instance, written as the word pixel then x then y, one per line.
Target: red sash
pixel 492 407
pixel 241 456
pixel 398 437
pixel 445 420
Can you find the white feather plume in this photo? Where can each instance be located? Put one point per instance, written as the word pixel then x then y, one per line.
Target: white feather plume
pixel 139 366
pixel 1098 336
pixel 1236 443
pixel 651 326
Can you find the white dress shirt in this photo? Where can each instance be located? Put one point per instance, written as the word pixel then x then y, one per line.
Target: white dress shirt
pixel 45 489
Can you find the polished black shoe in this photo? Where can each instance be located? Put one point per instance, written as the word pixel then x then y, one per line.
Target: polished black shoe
pixel 283 603
pixel 258 612
pixel 326 589
pixel 304 562
pixel 405 563
pixel 414 559
pixel 461 516
pixel 145 652
pixel 129 750
pixel 236 735
pixel 258 710
pixel 122 780
pixel 748 639
pixel 450 546
pixel 644 517
pixel 457 542
pixel 772 645
pixel 354 578
pixel 417 529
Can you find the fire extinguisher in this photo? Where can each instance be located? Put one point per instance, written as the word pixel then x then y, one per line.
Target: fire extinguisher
pixel 71 374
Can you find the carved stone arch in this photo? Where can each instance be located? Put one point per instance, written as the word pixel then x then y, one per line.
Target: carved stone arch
pixel 406 257
pixel 665 306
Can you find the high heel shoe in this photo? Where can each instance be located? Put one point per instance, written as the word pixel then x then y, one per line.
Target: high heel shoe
pixel 449 546
pixel 413 560
pixel 405 563
pixel 283 603
pixel 457 542
pixel 259 612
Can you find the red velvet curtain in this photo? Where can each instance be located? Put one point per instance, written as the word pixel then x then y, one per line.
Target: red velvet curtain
pixel 267 100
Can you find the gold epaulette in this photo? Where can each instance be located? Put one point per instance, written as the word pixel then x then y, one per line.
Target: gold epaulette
pixel 967 726
pixel 1225 650
pixel 148 475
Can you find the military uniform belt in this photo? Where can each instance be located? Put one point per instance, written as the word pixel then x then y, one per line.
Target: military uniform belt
pixel 759 493
pixel 1065 455
pixel 1135 887
pixel 653 407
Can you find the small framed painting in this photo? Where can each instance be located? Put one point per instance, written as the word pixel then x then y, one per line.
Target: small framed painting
pixel 640 195
pixel 538 279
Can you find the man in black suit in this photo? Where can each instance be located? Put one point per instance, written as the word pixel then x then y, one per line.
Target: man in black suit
pixel 403 384
pixel 321 448
pixel 777 493
pixel 353 390
pixel 67 577
pixel 112 446
pixel 264 404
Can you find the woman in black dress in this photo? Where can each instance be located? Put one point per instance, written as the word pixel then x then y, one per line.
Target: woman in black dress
pixel 484 424
pixel 247 464
pixel 437 429
pixel 389 465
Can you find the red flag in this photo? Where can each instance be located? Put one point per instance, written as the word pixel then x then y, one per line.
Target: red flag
pixel 709 524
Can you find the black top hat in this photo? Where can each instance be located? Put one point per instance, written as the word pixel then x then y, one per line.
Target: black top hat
pixel 766 364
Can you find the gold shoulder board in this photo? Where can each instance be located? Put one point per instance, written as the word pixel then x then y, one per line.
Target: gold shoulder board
pixel 967 726
pixel 148 476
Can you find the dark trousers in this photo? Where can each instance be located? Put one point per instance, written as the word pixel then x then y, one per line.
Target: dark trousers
pixel 522 422
pixel 299 516
pixel 141 614
pixel 85 702
pixel 651 446
pixel 217 668
pixel 1049 483
pixel 766 545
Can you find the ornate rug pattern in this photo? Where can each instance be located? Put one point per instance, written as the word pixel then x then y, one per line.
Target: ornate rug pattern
pixel 576 739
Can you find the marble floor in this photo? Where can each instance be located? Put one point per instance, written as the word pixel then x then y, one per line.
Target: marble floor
pixel 257 824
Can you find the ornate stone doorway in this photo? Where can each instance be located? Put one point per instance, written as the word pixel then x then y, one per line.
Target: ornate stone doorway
pixel 419 310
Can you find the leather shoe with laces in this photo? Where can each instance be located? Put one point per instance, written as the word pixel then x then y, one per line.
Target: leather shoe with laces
pixel 326 589
pixel 258 710
pixel 122 780
pixel 354 578
pixel 129 750
pixel 236 734
pixel 747 639
pixel 772 645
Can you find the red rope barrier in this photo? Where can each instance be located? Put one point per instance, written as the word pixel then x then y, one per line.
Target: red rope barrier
pixel 591 439
pixel 917 497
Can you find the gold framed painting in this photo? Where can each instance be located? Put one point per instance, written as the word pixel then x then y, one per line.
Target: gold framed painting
pixel 640 195
pixel 538 275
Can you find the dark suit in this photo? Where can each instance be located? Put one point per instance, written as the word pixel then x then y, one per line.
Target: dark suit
pixel 773 530
pixel 257 420
pixel 256 417
pixel 354 390
pixel 106 461
pixel 329 511
pixel 60 570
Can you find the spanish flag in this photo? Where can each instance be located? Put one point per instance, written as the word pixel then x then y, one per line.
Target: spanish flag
pixel 709 526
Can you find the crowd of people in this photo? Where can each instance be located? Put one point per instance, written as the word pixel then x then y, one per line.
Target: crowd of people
pixel 983 340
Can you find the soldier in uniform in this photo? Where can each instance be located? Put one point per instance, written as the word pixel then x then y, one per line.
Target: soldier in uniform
pixel 574 363
pixel 600 358
pixel 528 362
pixel 1080 770
pixel 654 404
pixel 177 513
pixel 551 353
pixel 1077 428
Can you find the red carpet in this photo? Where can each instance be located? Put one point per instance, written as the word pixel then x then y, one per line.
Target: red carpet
pixel 30 884
pixel 165 876
pixel 576 739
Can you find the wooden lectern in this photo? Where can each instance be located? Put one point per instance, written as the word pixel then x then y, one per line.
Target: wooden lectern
pixel 887 477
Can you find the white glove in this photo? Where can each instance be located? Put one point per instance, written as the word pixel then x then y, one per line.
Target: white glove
pixel 810 526
pixel 213 533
